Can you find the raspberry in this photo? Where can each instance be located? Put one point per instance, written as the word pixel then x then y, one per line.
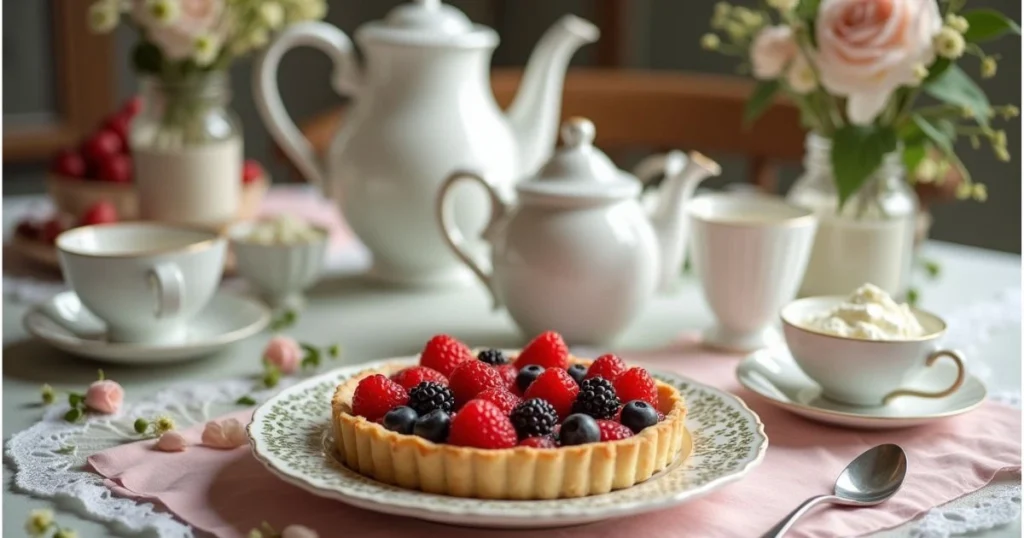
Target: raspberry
pixel 539 442
pixel 494 357
pixel 613 431
pixel 547 350
pixel 607 366
pixel 557 387
pixel 596 398
pixel 508 373
pixel 501 397
pixel 430 395
pixel 443 353
pixel 410 377
pixel 534 418
pixel 636 384
pixel 481 424
pixel 376 395
pixel 472 378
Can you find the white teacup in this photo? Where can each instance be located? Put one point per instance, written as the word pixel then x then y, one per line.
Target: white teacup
pixel 750 252
pixel 865 372
pixel 145 280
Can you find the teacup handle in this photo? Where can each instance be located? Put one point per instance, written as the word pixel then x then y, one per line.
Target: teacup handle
pixel 934 356
pixel 453 236
pixel 170 289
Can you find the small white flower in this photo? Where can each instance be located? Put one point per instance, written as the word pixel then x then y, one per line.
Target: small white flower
pixel 207 48
pixel 710 42
pixel 926 171
pixel 800 76
pixel 979 192
pixel 39 521
pixel 920 73
pixel 272 14
pixel 311 9
pixel 949 43
pixel 163 12
pixel 103 16
pixel 957 23
pixel 783 6
pixel 989 66
pixel 298 531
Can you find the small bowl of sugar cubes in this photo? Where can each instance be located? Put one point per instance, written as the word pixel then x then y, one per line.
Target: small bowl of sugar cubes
pixel 281 256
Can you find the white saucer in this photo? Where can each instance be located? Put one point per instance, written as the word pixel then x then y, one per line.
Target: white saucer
pixel 64 323
pixel 773 375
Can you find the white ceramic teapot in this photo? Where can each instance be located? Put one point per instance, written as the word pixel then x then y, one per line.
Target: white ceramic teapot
pixel 422 108
pixel 579 254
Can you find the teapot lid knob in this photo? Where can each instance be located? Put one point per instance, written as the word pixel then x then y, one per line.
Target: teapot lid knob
pixel 578 132
pixel 429 4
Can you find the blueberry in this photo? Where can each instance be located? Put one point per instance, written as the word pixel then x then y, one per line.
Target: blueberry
pixel 577 371
pixel 638 414
pixel 527 375
pixel 579 429
pixel 433 426
pixel 400 419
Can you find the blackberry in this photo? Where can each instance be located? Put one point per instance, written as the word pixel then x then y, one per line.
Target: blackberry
pixel 534 418
pixel 578 372
pixel 596 398
pixel 494 357
pixel 429 395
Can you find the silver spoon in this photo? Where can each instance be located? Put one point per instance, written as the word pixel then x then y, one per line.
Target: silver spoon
pixel 868 480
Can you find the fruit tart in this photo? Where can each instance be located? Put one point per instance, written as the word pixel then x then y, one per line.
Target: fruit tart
pixel 537 425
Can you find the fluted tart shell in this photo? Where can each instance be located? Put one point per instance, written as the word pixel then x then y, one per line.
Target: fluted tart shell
pixel 517 473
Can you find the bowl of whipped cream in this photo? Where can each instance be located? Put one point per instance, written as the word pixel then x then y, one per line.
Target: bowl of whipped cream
pixel 281 256
pixel 866 348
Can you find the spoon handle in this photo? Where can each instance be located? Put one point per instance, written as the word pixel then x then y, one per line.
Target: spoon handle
pixel 781 527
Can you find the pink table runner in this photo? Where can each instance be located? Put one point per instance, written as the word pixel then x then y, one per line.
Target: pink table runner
pixel 229 492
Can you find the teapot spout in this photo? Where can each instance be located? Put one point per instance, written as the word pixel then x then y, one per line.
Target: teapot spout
pixel 534 114
pixel 668 217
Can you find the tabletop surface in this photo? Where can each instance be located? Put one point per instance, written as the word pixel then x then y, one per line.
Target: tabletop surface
pixel 372 321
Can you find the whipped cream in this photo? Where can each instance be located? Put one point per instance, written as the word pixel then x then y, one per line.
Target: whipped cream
pixel 283 230
pixel 870 314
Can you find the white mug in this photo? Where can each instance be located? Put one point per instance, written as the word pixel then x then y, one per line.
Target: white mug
pixel 750 252
pixel 145 280
pixel 866 372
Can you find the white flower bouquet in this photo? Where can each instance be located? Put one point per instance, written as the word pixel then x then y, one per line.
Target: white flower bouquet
pixel 857 68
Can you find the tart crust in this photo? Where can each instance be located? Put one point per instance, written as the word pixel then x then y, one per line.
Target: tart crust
pixel 517 473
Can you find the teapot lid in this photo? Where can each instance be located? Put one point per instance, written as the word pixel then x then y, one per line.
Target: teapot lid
pixel 580 169
pixel 429 22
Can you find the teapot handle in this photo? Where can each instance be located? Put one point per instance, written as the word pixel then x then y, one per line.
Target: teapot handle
pixel 453 236
pixel 335 44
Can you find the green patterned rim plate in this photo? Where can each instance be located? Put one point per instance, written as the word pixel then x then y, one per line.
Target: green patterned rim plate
pixel 290 435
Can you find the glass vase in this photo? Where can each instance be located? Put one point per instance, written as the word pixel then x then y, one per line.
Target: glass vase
pixel 871 239
pixel 187 151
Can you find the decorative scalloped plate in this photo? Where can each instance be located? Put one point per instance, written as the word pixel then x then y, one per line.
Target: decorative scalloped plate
pixel 290 434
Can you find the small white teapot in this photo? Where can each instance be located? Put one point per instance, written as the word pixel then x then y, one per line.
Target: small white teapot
pixel 579 254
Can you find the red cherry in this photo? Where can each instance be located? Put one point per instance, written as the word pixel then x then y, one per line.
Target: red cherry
pixel 68 163
pixel 102 145
pixel 251 171
pixel 51 229
pixel 102 212
pixel 115 169
pixel 132 107
pixel 119 124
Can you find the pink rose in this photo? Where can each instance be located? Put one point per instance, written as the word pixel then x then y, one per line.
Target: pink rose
pixel 177 38
pixel 868 48
pixel 227 434
pixel 171 442
pixel 771 51
pixel 104 396
pixel 298 531
pixel 284 353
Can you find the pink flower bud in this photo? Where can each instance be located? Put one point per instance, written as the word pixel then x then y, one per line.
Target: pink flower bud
pixel 226 434
pixel 284 353
pixel 171 442
pixel 104 396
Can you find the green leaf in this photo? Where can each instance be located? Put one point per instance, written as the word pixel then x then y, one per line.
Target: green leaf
pixel 334 351
pixel 937 69
pixel 808 9
pixel 147 58
pixel 73 414
pixel 913 155
pixel 956 88
pixel 245 400
pixel 74 399
pixel 311 357
pixel 759 101
pixel 933 269
pixel 934 133
pixel 857 152
pixel 913 296
pixel 988 24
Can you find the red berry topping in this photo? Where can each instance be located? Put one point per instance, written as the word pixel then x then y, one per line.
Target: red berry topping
pixel 547 350
pixel 102 212
pixel 102 145
pixel 607 366
pixel 613 431
pixel 115 169
pixel 251 171
pixel 443 353
pixel 557 387
pixel 636 384
pixel 471 378
pixel 28 229
pixel 132 106
pixel 51 229
pixel 502 398
pixel 408 378
pixel 119 123
pixel 376 395
pixel 539 442
pixel 481 424
pixel 508 373
pixel 69 163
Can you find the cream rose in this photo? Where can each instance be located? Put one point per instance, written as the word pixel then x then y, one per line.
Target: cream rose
pixel 771 51
pixel 192 20
pixel 868 48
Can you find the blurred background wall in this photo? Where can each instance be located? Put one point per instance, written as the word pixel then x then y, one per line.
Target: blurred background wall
pixel 655 34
